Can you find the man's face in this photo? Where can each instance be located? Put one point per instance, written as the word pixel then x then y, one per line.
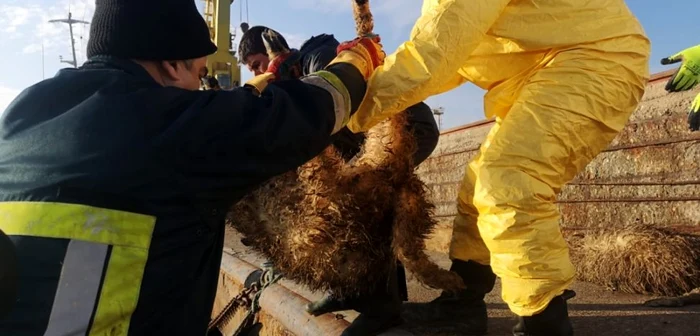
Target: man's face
pixel 178 74
pixel 192 77
pixel 257 63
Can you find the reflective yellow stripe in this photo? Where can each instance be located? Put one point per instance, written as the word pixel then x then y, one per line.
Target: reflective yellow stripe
pixel 120 291
pixel 74 221
pixel 128 233
pixel 328 81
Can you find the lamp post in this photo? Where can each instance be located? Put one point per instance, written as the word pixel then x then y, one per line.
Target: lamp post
pixel 438 112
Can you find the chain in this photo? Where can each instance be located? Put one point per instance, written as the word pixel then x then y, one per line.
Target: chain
pixel 248 297
pixel 243 299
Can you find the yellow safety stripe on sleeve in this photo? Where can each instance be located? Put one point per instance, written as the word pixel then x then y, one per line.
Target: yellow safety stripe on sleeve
pixel 129 234
pixel 341 97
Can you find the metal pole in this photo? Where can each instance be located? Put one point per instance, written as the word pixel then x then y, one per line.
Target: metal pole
pixel 72 40
pixel 70 23
pixel 43 76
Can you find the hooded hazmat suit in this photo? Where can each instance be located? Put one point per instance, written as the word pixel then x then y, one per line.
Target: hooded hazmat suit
pixel 563 77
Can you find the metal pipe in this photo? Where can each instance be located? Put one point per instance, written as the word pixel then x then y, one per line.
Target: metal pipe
pixel 610 200
pixel 601 200
pixel 596 182
pixel 659 76
pixel 284 305
pixel 630 200
pixel 691 138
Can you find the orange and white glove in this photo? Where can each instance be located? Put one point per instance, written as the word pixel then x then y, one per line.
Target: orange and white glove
pixel 282 67
pixel 364 53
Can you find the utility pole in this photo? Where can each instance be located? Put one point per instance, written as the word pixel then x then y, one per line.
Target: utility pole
pixel 42 61
pixel 70 21
pixel 438 112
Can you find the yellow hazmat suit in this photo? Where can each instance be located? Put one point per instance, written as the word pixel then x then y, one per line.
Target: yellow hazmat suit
pixel 563 77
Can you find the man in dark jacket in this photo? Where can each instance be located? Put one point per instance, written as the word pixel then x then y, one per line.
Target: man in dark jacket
pixel 115 178
pixel 380 309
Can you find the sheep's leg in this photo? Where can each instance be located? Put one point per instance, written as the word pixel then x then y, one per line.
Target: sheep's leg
pixel 246 218
pixel 688 299
pixel 412 224
pixel 323 169
pixel 386 157
pixel 389 145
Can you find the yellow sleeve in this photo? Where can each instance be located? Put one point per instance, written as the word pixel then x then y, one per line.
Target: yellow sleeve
pixel 441 41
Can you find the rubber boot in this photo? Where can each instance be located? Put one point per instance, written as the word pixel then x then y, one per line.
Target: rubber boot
pixel 378 312
pixel 553 321
pixel 467 307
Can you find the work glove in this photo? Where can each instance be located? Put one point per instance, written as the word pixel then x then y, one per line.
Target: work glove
pixel 364 53
pixel 694 114
pixel 283 67
pixel 688 75
pixel 286 66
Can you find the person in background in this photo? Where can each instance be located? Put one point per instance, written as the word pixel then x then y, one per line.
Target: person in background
pixel 562 78
pixel 213 83
pixel 686 77
pixel 116 177
pixel 379 309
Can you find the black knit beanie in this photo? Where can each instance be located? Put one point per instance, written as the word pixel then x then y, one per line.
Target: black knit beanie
pixel 149 30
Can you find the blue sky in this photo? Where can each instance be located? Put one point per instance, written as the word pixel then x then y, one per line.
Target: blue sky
pixel 23 29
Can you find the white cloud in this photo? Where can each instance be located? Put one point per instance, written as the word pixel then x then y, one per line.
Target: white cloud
pixel 19 15
pixel 29 21
pixel 13 16
pixel 7 95
pixel 294 40
pixel 325 6
pixel 32 48
pixel 399 13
